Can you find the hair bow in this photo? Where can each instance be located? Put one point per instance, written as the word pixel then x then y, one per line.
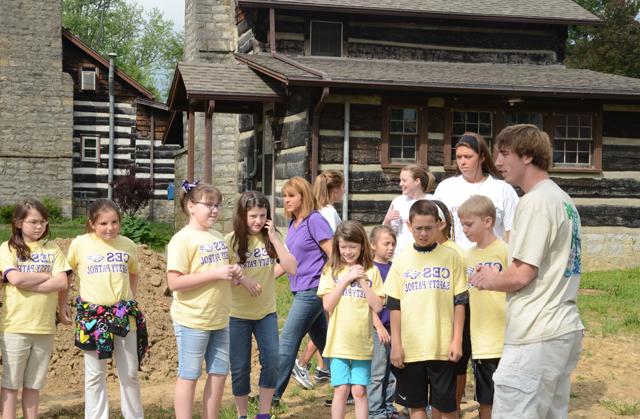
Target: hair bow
pixel 186 186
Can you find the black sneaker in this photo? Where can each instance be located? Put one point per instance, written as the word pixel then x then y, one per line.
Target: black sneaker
pixel 350 401
pixel 275 401
pixel 321 375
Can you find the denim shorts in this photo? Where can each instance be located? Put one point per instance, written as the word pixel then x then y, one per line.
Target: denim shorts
pixel 194 345
pixel 350 371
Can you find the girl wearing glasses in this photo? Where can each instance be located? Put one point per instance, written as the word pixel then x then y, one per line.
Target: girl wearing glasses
pixel 200 276
pixel 35 275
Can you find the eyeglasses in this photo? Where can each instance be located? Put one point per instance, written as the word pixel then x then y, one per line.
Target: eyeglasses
pixel 209 205
pixel 42 223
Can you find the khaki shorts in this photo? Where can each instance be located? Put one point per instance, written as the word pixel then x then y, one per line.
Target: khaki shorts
pixel 533 380
pixel 25 359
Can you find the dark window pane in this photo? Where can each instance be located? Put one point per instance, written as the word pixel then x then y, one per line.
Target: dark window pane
pixel 561 119
pixel 410 126
pixel 583 158
pixel 585 133
pixel 395 152
pixel 536 119
pixel 395 140
pixel 571 145
pixel 485 130
pixel 572 132
pixel 410 114
pixel 560 132
pixel 458 129
pixel 326 39
pixel 89 153
pixel 485 117
pixel 90 142
pixel 571 157
pixel 584 146
pixel 472 117
pixel 397 114
pixel 409 153
pixel 458 117
pixel 573 120
pixel 585 120
pixel 558 157
pixel 510 119
pixel 396 126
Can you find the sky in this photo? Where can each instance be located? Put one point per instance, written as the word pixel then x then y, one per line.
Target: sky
pixel 171 9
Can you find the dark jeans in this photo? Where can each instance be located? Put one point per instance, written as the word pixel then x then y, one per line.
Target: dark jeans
pixel 266 332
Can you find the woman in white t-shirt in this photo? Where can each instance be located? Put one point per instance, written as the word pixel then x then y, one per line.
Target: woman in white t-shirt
pixel 477 175
pixel 328 190
pixel 416 183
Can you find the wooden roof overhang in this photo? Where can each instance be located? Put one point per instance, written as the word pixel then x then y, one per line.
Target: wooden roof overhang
pixel 440 77
pixel 232 88
pixel 553 12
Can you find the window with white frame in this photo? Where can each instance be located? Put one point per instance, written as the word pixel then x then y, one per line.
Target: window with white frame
pixel 480 122
pixel 573 139
pixel 533 118
pixel 403 134
pixel 90 149
pixel 88 78
pixel 326 38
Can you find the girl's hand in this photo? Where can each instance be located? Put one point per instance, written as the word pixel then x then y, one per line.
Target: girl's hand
pixel 230 272
pixel 392 214
pixel 271 230
pixel 355 273
pixel 252 286
pixel 383 335
pixel 64 314
pixel 397 356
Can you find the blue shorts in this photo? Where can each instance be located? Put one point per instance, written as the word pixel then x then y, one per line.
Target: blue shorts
pixel 350 371
pixel 194 345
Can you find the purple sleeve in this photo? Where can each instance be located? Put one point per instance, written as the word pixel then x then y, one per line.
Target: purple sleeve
pixel 319 227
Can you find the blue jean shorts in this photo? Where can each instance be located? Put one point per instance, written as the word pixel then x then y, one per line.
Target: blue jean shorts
pixel 350 371
pixel 194 345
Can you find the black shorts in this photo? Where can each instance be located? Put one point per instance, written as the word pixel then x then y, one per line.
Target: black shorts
pixel 417 379
pixel 483 370
pixel 461 365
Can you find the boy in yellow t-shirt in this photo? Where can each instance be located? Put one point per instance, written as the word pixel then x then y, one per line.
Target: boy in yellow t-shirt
pixel 477 216
pixel 426 290
pixel 350 287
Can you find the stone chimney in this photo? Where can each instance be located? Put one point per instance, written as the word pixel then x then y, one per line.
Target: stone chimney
pixel 211 37
pixel 36 104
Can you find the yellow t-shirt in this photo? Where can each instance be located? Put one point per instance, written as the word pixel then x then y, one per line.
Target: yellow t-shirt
pixel 426 284
pixel 102 267
pixel 349 335
pixel 207 307
pixel 453 245
pixel 487 307
pixel 259 267
pixel 28 311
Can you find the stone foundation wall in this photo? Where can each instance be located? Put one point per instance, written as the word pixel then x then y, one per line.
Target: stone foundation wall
pixel 610 248
pixel 36 104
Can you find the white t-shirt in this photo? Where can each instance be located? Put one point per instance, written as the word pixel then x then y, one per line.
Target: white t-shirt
pixel 403 204
pixel 546 234
pixel 331 215
pixel 455 190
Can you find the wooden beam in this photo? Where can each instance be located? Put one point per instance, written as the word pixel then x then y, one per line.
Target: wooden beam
pixel 272 30
pixel 208 142
pixel 191 144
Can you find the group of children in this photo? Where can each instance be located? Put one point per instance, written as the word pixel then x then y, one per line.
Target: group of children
pixel 388 322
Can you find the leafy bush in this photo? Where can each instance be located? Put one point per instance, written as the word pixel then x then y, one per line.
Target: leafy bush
pixel 6 213
pixel 131 193
pixel 53 207
pixel 139 230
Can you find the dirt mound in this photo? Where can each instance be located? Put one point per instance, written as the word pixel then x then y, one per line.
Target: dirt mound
pixel 66 370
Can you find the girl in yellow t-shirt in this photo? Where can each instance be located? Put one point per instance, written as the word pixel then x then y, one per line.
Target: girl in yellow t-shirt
pixel 200 276
pixel 350 287
pixel 256 245
pixel 108 320
pixel 443 237
pixel 35 272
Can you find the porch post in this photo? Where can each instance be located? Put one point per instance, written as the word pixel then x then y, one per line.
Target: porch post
pixel 191 144
pixel 208 142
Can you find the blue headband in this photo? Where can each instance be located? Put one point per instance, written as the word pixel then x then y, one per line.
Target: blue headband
pixel 469 140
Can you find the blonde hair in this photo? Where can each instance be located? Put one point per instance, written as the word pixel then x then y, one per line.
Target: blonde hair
pixel 325 184
pixel 303 187
pixel 479 206
pixel 427 180
pixel 379 229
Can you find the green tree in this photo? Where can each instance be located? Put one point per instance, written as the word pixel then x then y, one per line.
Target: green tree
pixel 147 45
pixel 613 47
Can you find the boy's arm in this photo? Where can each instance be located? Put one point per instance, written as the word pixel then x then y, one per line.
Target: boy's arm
pixel 455 348
pixel 397 352
pixel 383 334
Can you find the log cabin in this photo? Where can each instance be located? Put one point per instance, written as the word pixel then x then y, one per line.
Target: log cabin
pixel 271 89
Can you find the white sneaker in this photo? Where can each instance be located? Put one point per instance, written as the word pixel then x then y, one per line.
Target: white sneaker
pixel 301 374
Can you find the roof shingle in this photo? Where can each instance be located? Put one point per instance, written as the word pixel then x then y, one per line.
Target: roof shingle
pixel 545 80
pixel 551 11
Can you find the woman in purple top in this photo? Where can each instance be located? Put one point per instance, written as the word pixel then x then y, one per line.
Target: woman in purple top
pixel 309 241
